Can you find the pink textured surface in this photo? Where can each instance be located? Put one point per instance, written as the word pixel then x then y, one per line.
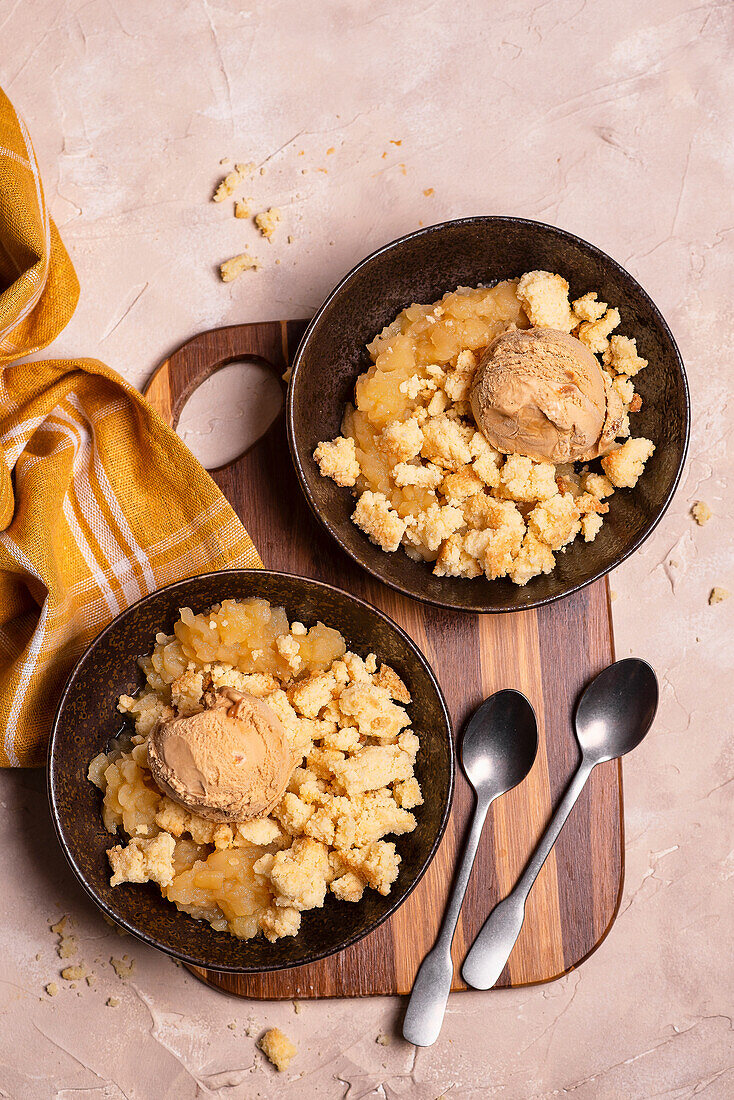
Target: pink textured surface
pixel 610 119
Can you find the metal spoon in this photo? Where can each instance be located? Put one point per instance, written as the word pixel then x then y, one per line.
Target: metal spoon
pixel 497 752
pixel 612 716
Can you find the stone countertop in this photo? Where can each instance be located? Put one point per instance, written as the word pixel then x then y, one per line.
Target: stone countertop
pixel 610 119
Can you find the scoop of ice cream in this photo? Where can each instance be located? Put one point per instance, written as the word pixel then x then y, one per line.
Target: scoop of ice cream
pixel 231 762
pixel 542 393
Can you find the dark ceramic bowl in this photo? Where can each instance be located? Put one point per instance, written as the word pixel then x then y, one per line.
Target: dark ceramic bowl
pixel 421 268
pixel 87 719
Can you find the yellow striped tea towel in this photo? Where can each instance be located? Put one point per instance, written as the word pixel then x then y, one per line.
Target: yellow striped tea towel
pixel 100 502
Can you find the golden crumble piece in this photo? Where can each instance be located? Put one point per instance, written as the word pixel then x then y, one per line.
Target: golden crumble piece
pixel 401 441
pixel 241 209
pixel 597 485
pixel 378 863
pixel 407 793
pixel 268 221
pixel 463 483
pixel 262 830
pixel 701 512
pixel 624 387
pixel 595 334
pixel 436 523
pixel 279 921
pixel 298 874
pixel 379 521
pixel 310 695
pixel 51 989
pixel 388 679
pixel 425 476
pixel 348 887
pixel 186 692
pixel 718 594
pixel 345 739
pixel 232 181
pixel 621 356
pixel 544 298
pixel 278 1048
pixel 74 973
pixel 293 812
pixel 521 479
pixel 290 651
pixel 587 308
pixel 143 860
pixel 555 521
pixel 232 269
pixel 373 767
pixel 455 561
pixel 370 708
pixel 438 404
pixel 338 460
pixel 535 557
pixel 486 461
pixel 591 525
pixel 625 465
pixel 444 443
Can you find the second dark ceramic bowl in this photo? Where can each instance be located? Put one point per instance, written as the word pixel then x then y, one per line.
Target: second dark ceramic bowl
pixel 421 268
pixel 87 719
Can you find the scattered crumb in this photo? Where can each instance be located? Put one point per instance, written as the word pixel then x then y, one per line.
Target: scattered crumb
pixel 112 1002
pixel 60 925
pixel 38 957
pixel 396 142
pixel 613 595
pixel 123 967
pixel 384 155
pixel 224 161
pixel 718 594
pixel 232 1026
pixel 297 1008
pixel 267 222
pixel 402 168
pixel 52 989
pixel 262 171
pixel 231 269
pixel 232 181
pixel 91 979
pixel 278 1048
pixel 383 1040
pixel 428 191
pixel 330 151
pixel 290 239
pixel 73 973
pixel 241 209
pixel 701 512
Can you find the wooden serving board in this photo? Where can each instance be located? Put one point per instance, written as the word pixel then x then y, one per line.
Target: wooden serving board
pixel 549 654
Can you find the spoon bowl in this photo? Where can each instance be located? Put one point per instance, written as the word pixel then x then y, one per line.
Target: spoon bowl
pixel 499 744
pixel 616 710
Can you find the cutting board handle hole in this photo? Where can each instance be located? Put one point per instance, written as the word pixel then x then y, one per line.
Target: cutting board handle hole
pixel 231 411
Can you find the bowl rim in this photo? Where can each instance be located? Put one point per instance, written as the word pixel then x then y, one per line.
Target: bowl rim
pixel 147 937
pixel 343 284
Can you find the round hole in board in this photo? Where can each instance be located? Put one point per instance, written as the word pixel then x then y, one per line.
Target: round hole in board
pixel 230 411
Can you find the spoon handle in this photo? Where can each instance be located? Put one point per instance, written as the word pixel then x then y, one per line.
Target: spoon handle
pixel 492 947
pixel 432 985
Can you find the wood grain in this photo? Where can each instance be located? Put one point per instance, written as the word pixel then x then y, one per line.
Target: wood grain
pixel 549 654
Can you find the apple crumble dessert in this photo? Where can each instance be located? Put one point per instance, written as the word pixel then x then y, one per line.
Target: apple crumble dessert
pixel 267 767
pixel 471 435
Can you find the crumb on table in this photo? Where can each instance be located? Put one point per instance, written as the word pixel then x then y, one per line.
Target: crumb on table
pixel 718 594
pixel 268 221
pixel 231 269
pixel 232 181
pixel 701 512
pixel 52 989
pixel 278 1048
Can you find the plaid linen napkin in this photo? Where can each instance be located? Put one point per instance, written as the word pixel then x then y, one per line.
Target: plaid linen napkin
pixel 100 502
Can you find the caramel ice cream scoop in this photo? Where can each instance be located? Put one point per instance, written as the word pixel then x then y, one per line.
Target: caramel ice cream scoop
pixel 542 393
pixel 231 762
